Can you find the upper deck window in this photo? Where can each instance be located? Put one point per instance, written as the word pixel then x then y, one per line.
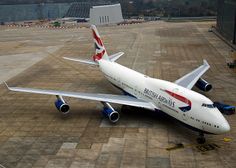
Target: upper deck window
pixel 208 105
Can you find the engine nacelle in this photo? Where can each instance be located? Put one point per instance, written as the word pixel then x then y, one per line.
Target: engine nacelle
pixel 110 113
pixel 203 85
pixel 61 105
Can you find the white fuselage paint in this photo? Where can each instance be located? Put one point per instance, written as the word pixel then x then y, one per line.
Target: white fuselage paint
pixel 153 90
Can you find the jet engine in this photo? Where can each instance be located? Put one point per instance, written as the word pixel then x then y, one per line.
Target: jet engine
pixel 110 113
pixel 203 85
pixel 61 105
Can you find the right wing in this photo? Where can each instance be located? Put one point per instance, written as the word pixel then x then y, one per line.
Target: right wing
pixel 190 79
pixel 118 99
pixel 84 61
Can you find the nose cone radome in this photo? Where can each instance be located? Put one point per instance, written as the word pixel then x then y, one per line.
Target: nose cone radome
pixel 225 127
pixel 221 123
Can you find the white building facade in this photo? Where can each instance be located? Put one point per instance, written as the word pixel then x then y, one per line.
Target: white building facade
pixel 106 14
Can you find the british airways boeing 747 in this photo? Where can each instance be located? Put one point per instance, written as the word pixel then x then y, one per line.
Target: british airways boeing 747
pixel 175 99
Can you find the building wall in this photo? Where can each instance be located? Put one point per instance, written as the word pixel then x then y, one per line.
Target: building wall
pixel 226 19
pixel 107 14
pixel 14 13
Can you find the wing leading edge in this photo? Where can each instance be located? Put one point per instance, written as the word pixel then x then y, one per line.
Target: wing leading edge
pixel 118 99
pixel 190 79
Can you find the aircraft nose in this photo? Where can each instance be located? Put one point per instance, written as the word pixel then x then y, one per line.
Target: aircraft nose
pixel 222 124
pixel 225 127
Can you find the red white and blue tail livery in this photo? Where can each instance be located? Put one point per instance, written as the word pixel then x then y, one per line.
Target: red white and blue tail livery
pixel 100 51
pixel 175 99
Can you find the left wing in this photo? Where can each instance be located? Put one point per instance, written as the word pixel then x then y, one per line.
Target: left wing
pixel 190 79
pixel 118 99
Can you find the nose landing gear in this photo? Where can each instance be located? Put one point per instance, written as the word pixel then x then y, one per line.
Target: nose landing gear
pixel 201 139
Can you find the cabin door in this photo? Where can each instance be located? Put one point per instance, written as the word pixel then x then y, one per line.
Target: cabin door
pixel 185 116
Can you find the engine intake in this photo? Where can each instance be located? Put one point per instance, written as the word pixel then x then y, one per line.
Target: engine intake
pixel 61 105
pixel 203 85
pixel 110 113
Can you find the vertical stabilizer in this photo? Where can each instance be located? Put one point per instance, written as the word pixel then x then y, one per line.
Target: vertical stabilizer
pixel 100 51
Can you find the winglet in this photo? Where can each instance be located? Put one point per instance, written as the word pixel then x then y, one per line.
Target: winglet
pixel 205 63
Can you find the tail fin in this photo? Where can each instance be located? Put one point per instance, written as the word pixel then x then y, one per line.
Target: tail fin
pixel 100 51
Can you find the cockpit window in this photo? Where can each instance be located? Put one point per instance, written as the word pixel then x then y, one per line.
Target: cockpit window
pixel 208 105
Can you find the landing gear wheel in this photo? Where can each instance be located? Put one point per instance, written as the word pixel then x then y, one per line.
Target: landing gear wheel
pixel 125 109
pixel 201 139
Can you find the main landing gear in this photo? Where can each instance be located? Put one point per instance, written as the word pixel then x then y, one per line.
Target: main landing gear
pixel 201 139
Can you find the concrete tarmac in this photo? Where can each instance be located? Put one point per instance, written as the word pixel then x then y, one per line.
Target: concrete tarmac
pixel 34 134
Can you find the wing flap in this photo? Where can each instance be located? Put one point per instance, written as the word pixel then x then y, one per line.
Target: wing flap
pixel 190 79
pixel 118 99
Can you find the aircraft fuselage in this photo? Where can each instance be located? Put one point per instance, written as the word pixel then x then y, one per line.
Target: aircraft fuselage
pixel 183 104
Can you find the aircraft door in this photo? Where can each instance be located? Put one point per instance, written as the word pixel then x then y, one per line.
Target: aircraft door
pixel 118 82
pixel 185 116
pixel 203 128
pixel 136 90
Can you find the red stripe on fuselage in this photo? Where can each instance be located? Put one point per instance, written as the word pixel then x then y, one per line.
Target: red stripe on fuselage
pixel 180 98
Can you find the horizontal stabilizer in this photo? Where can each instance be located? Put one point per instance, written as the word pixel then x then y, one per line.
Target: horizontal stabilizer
pixel 84 61
pixel 116 56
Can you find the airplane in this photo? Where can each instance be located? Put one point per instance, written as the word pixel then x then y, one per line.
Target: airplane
pixel 175 99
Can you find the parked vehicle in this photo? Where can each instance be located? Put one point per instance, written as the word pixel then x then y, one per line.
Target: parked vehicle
pixel 224 108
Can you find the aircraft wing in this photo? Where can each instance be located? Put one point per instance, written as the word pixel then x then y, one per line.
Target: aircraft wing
pixel 189 80
pixel 118 99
